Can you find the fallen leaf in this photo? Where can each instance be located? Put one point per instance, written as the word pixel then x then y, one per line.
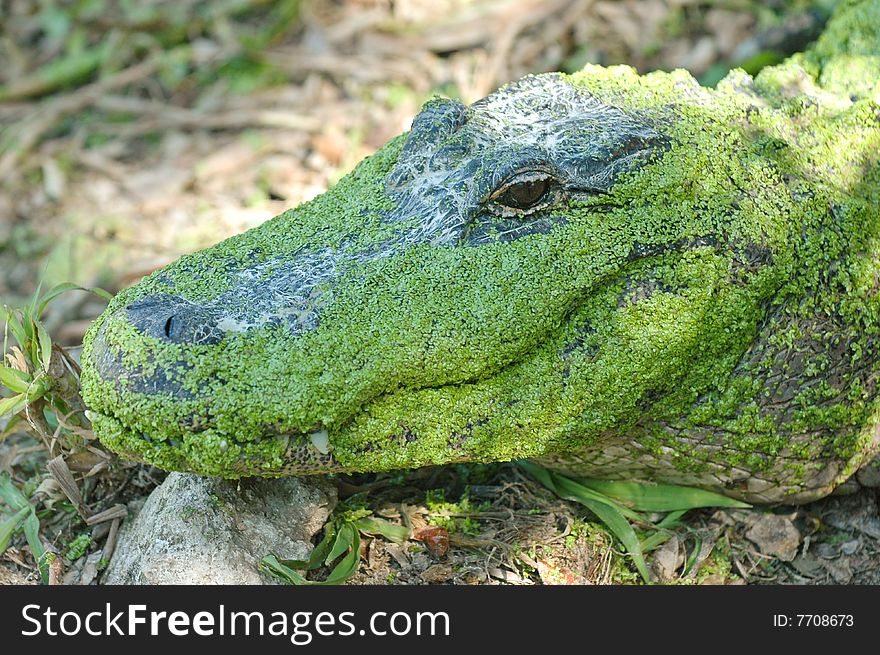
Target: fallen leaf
pixel 775 535
pixel 435 538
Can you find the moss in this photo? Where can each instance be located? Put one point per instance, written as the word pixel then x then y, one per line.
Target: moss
pixel 453 515
pixel 78 547
pixel 844 59
pixel 718 567
pixel 595 536
pixel 758 218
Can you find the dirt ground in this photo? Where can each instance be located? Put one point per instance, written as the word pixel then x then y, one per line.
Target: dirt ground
pixel 188 132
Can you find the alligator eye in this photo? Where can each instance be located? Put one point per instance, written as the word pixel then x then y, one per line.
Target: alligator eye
pixel 170 327
pixel 525 193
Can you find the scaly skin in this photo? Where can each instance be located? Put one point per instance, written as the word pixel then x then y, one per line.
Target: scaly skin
pixel 621 276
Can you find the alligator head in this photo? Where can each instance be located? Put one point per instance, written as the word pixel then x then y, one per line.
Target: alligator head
pixel 574 264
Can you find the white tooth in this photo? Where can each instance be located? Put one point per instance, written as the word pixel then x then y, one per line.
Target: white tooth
pixel 321 441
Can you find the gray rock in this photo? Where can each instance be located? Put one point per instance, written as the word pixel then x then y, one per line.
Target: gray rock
pixel 195 530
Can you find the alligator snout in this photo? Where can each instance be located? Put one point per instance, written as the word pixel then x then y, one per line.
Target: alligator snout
pixel 164 319
pixel 175 320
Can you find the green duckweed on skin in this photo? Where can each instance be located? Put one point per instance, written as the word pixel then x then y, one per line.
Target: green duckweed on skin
pixel 709 318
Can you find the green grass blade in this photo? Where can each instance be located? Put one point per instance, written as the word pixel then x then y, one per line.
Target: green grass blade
pixel 62 288
pixel 15 322
pixel 344 539
pixel 373 526
pixel 579 493
pixel 13 405
pixel 271 565
pixel 45 343
pixel 663 530
pixel 14 380
pixel 10 493
pixel 322 550
pixel 9 526
pixel 671 520
pixel 349 564
pixel 53 293
pixel 31 309
pixel 654 540
pixel 4 315
pixel 692 558
pixel 10 428
pixel 342 542
pixel 569 489
pixel 614 516
pixel 541 474
pixel 319 553
pixel 659 497
pixel 611 516
pixel 347 538
pixel 98 291
pixel 31 530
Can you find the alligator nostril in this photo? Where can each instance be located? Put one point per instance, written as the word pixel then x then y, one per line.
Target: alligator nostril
pixel 170 318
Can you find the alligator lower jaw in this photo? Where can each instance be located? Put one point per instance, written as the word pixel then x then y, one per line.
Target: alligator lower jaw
pixel 208 452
